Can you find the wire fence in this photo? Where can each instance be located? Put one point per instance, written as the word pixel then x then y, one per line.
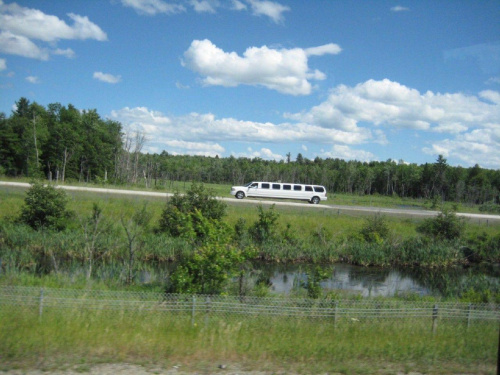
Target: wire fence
pixel 41 300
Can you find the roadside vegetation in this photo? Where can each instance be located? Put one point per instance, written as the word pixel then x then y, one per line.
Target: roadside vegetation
pixel 207 246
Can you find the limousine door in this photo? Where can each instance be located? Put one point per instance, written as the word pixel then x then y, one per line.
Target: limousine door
pixel 253 190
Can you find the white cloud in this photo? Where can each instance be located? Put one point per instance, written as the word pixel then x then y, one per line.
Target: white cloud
pixel 493 80
pixel 204 6
pixel 34 24
pixel 399 8
pixel 3 64
pixel 283 70
pixel 68 52
pixel 206 128
pixel 481 146
pixel 19 45
pixel 32 79
pixel 19 26
pixel 270 9
pixel 263 153
pixel 347 153
pixel 108 78
pixel 390 103
pixel 238 5
pixel 153 7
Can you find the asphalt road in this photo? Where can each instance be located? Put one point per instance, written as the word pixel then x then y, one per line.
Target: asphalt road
pixel 338 208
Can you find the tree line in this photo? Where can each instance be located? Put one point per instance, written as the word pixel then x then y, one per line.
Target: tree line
pixel 61 142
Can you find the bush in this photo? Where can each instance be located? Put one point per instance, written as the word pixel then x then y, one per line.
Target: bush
pixel 375 229
pixel 265 228
pixel 45 207
pixel 446 225
pixel 184 215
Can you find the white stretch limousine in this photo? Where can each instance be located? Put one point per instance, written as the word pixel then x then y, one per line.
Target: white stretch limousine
pixel 312 193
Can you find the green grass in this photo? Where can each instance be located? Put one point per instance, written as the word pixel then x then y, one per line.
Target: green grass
pixel 305 346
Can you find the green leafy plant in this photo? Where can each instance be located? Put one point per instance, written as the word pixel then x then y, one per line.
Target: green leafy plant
pixel 45 208
pixel 375 229
pixel 265 228
pixel 446 225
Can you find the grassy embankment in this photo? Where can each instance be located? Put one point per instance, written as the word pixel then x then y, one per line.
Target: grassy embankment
pixel 61 338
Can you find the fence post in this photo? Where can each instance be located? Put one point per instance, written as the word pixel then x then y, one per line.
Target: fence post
pixel 40 305
pixel 335 314
pixel 193 310
pixel 207 311
pixel 434 318
pixel 469 313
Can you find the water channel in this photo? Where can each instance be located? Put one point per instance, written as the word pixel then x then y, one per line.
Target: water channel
pixel 370 281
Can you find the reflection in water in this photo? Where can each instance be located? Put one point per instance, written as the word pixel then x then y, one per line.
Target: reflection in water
pixel 373 281
pixel 368 282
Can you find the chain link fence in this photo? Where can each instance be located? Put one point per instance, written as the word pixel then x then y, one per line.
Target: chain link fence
pixel 201 307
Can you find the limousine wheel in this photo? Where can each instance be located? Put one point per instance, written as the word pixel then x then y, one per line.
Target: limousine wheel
pixel 315 200
pixel 240 195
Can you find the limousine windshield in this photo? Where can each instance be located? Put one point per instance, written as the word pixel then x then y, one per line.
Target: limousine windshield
pixel 312 193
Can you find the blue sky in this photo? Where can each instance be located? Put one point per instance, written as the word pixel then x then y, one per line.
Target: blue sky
pixel 364 80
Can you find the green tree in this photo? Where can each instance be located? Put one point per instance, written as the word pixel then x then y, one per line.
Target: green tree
pixel 45 207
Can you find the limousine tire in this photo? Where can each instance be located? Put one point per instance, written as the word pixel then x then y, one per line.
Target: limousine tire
pixel 315 200
pixel 240 195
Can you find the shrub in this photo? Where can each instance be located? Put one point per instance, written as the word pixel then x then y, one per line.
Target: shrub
pixel 265 228
pixel 45 207
pixel 446 225
pixel 375 229
pixel 184 215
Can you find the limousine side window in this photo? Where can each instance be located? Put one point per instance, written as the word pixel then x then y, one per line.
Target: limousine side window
pixel 309 188
pixel 297 187
pixel 319 189
pixel 254 185
pixel 276 186
pixel 264 186
pixel 287 187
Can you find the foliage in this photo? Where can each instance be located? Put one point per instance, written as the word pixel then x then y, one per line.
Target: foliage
pixel 207 271
pixel 265 228
pixel 314 278
pixel 446 225
pixel 186 215
pixel 45 207
pixel 375 229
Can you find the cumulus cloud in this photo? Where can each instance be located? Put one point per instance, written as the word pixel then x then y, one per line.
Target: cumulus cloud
pixel 480 146
pixel 283 70
pixel 153 7
pixel 3 64
pixel 108 78
pixel 270 9
pixel 20 45
pixel 206 128
pixel 466 127
pixel 20 26
pixel 393 104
